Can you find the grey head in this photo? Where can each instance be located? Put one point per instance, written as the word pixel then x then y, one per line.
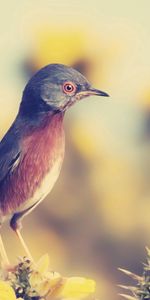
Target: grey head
pixel 55 87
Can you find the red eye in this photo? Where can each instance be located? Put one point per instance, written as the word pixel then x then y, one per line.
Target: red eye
pixel 69 88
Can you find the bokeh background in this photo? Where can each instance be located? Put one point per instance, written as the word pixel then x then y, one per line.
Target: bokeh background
pixel 97 218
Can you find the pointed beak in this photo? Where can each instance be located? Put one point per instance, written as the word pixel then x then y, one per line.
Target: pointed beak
pixel 93 91
pixel 89 92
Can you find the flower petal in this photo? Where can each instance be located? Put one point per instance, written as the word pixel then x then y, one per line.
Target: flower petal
pixel 77 287
pixel 43 264
pixel 6 291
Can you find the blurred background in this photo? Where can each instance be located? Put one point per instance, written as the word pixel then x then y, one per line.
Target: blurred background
pixel 97 217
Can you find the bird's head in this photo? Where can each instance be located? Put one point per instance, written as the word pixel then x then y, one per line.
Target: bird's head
pixel 56 87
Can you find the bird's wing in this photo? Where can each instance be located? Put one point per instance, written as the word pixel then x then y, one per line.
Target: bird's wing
pixel 9 154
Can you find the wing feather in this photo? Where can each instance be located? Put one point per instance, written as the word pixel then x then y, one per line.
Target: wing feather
pixel 9 153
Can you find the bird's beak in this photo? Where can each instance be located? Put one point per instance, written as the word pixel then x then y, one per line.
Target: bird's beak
pixel 91 91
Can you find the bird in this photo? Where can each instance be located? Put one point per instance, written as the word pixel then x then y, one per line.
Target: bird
pixel 32 150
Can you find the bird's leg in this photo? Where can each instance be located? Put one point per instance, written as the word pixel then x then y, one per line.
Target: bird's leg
pixel 24 244
pixel 3 254
pixel 15 224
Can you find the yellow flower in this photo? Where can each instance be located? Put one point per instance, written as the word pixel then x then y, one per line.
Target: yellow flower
pixel 42 281
pixel 77 287
pixel 6 292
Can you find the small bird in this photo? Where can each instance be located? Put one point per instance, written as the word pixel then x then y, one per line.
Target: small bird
pixel 32 151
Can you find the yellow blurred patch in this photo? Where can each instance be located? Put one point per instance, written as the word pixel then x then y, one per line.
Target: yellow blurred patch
pixel 144 98
pixel 65 46
pixel 83 140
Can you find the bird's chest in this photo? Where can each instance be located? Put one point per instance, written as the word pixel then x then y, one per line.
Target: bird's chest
pixel 44 185
pixel 42 163
pixel 38 169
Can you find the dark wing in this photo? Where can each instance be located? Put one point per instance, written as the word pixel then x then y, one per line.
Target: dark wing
pixel 9 153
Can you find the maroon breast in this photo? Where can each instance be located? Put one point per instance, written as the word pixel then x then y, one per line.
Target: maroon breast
pixel 41 148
